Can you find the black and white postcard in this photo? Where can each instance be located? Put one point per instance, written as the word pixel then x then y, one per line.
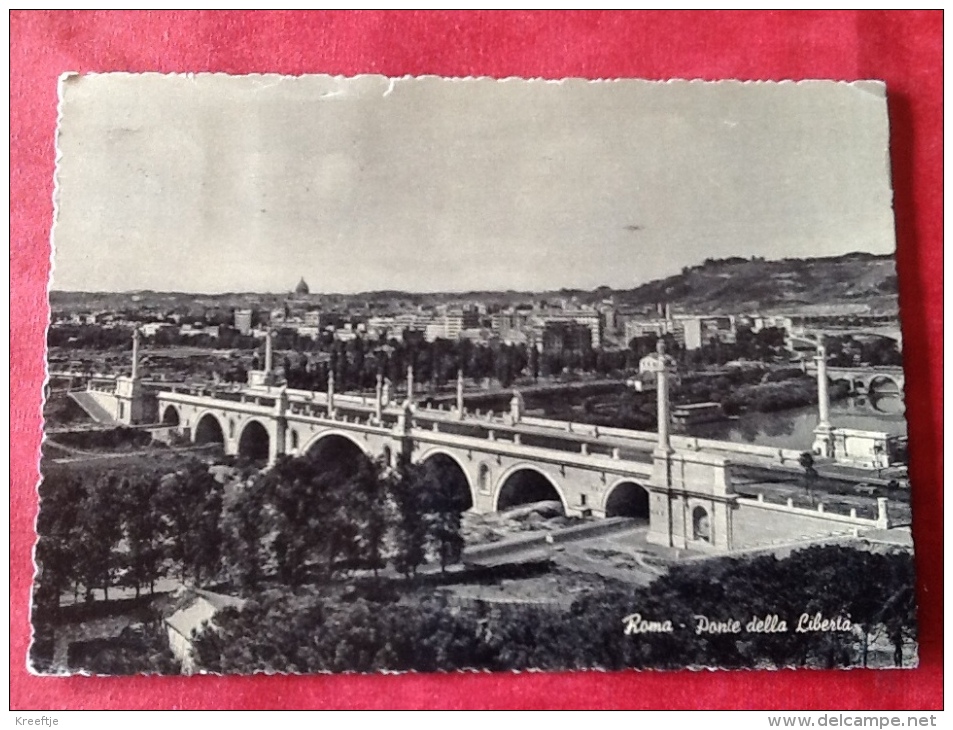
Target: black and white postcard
pixel 423 374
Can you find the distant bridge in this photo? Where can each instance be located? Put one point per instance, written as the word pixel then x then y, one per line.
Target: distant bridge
pixel 869 380
pixel 891 331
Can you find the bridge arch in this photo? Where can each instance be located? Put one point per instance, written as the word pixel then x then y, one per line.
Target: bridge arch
pixel 523 484
pixel 315 441
pixel 451 468
pixel 337 450
pixel 208 429
pixel 171 416
pixel 883 384
pixel 254 441
pixel 627 498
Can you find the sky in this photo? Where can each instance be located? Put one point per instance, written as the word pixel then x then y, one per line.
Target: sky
pixel 214 183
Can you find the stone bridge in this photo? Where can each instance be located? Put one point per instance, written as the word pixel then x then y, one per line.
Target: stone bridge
pixel 494 461
pixel 866 380
pixel 497 459
pixel 680 486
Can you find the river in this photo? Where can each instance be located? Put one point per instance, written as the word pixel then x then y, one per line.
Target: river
pixel 791 429
pixel 794 429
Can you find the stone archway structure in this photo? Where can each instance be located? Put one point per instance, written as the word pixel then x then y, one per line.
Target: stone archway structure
pixel 453 475
pixel 627 498
pixel 525 484
pixel 208 429
pixel 254 441
pixel 171 417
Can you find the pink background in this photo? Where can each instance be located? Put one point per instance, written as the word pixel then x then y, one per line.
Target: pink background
pixel 903 48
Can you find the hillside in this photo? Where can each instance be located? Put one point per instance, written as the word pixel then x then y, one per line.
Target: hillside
pixel 851 283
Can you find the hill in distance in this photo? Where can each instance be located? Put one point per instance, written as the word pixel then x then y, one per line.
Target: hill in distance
pixel 852 283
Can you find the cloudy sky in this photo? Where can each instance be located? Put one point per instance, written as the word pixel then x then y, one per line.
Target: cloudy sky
pixel 213 183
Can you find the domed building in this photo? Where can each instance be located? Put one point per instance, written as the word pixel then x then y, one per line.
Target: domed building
pixel 302 290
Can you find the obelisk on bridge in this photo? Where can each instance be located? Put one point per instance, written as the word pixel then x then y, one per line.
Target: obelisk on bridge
pixel 135 353
pixel 330 392
pixel 129 397
pixel 661 390
pixel 410 384
pixel 516 407
pixel 823 398
pixel 379 398
pixel 269 355
pixel 460 410
pixel 265 376
pixel 823 434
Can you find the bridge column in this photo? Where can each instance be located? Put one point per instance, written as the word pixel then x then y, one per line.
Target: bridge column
pixel 135 353
pixel 330 393
pixel 661 366
pixel 460 411
pixel 268 352
pixel 265 376
pixel 661 502
pixel 823 434
pixel 516 407
pixel 276 441
pixel 405 425
pixel 129 401
pixel 379 398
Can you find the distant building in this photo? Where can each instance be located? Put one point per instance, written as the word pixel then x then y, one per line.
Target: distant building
pixel 589 318
pixel 659 327
pixel 243 320
pixel 450 324
pixel 150 329
pixel 559 337
pixel 302 290
pixel 700 331
pixel 321 319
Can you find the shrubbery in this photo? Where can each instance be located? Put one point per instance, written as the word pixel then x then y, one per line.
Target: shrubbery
pixel 365 630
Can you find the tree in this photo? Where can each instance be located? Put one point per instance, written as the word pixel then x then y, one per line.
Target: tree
pixel 141 527
pixel 806 461
pixel 534 364
pixel 443 506
pixel 99 531
pixel 242 534
pixel 899 612
pixel 58 532
pixel 368 492
pixel 410 525
pixel 190 501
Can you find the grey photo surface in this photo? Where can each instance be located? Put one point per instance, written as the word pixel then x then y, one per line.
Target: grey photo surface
pixel 423 374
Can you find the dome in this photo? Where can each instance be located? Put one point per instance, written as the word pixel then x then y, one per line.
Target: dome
pixel 302 287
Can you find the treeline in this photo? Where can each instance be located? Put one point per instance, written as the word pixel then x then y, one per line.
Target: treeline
pixel 756 390
pixel 100 531
pixel 374 627
pixel 297 522
pixel 303 522
pixel 357 363
pixel 108 439
pixel 738 391
pixel 849 351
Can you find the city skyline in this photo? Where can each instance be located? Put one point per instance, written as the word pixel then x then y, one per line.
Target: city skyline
pixel 212 184
pixel 290 290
